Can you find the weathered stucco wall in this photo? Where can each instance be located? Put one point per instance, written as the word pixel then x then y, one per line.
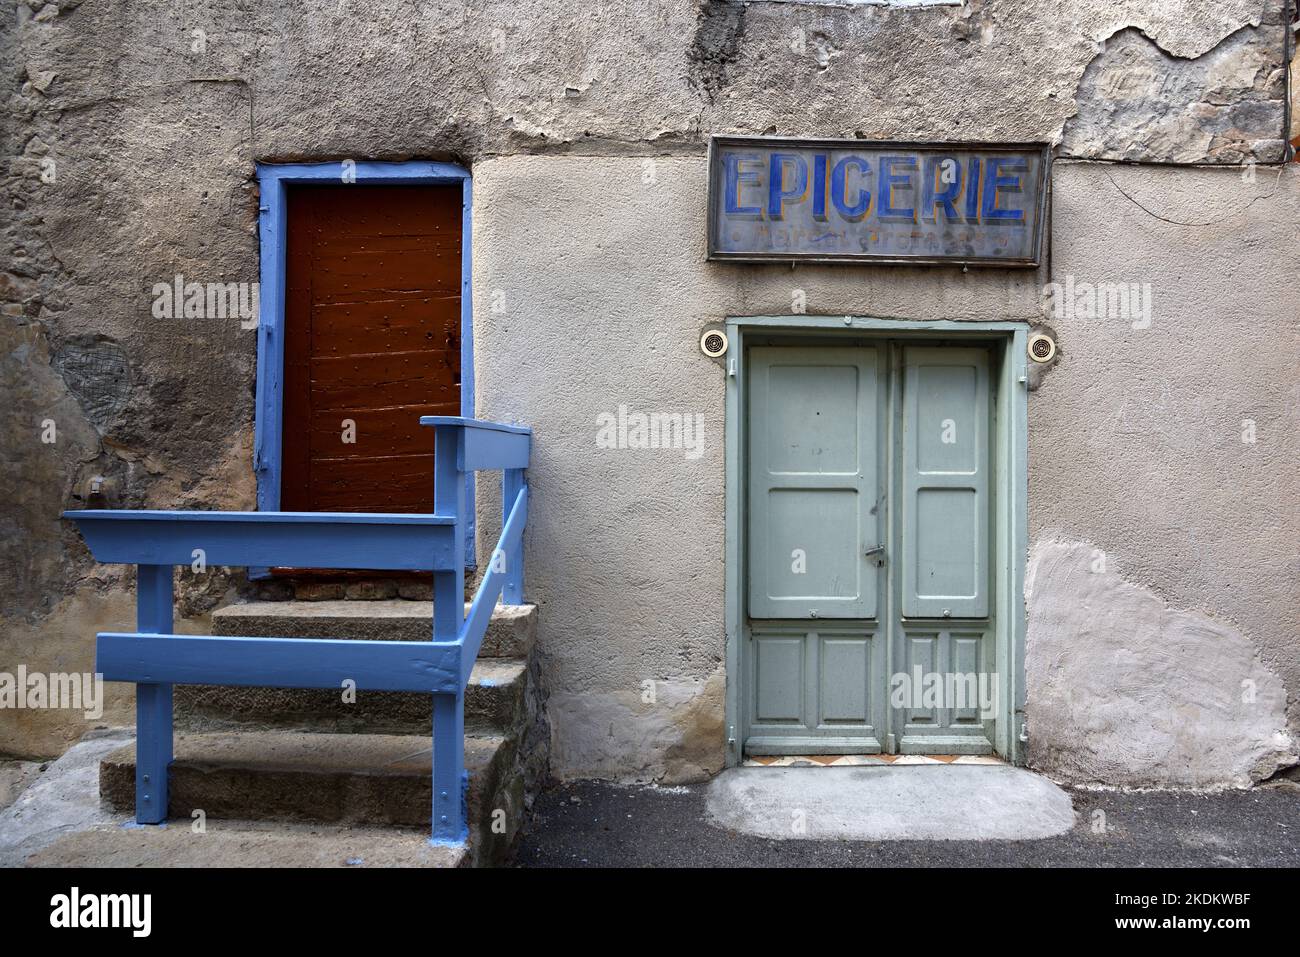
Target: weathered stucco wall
pixel 1163 620
pixel 131 139
pixel 1135 446
pixel 625 546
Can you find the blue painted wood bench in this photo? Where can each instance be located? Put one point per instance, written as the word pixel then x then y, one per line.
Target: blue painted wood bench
pixel 154 658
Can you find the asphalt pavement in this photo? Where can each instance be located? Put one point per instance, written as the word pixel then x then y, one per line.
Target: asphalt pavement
pixel 593 824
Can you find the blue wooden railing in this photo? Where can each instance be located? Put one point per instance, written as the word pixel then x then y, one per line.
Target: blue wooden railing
pixel 154 658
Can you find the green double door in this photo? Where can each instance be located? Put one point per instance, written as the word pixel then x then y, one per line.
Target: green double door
pixel 868 496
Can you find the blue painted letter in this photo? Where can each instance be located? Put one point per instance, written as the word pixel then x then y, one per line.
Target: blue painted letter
pixel 888 180
pixel 997 185
pixel 777 194
pixel 853 212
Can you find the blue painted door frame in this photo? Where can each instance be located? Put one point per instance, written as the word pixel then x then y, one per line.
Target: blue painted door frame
pixel 274 179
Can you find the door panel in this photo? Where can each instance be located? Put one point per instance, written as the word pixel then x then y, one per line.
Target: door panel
pixel 778 679
pixel 945 692
pixel 815 688
pixel 813 482
pixel 945 477
pixel 845 680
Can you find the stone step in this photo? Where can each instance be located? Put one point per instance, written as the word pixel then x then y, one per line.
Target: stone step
pixel 495 702
pixel 510 633
pixel 248 844
pixel 366 780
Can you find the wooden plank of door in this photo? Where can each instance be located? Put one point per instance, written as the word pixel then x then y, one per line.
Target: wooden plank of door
pixel 372 343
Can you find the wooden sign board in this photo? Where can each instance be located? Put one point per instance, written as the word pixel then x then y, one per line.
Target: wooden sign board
pixel 977 204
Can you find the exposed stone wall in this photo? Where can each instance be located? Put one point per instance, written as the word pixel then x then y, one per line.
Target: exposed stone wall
pixel 130 145
pixel 1138 102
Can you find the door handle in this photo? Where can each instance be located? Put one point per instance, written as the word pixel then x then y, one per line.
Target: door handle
pixel 876 551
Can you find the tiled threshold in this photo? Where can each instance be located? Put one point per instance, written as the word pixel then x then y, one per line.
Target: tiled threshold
pixel 862 760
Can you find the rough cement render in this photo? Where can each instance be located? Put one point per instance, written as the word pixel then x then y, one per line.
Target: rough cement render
pixel 676 737
pixel 619 539
pixel 947 72
pixel 1135 442
pixel 1124 690
pixel 154 142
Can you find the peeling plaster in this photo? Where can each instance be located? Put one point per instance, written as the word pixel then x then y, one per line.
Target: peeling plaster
pixel 715 45
pixel 1185 30
pixel 1139 103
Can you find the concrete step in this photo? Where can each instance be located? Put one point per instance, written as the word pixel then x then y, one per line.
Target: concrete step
pixel 495 702
pixel 354 780
pixel 510 633
pixel 494 699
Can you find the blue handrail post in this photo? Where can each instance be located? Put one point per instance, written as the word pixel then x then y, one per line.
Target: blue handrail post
pixel 449 501
pixel 153 702
pixel 512 592
pixel 450 782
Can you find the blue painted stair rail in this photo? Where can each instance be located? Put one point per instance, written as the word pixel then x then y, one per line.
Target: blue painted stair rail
pixel 155 658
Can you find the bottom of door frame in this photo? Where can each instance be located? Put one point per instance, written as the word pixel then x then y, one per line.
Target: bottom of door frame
pixel 944 744
pixel 772 744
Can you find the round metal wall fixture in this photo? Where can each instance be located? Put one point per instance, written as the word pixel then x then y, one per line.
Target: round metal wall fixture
pixel 713 343
pixel 1042 348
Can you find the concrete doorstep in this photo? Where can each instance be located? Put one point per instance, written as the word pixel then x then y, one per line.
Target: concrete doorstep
pixel 947 802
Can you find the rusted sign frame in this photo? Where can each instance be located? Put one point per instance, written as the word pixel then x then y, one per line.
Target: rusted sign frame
pixel 714 254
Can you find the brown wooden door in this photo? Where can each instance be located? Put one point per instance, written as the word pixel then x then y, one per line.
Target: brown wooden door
pixel 372 342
